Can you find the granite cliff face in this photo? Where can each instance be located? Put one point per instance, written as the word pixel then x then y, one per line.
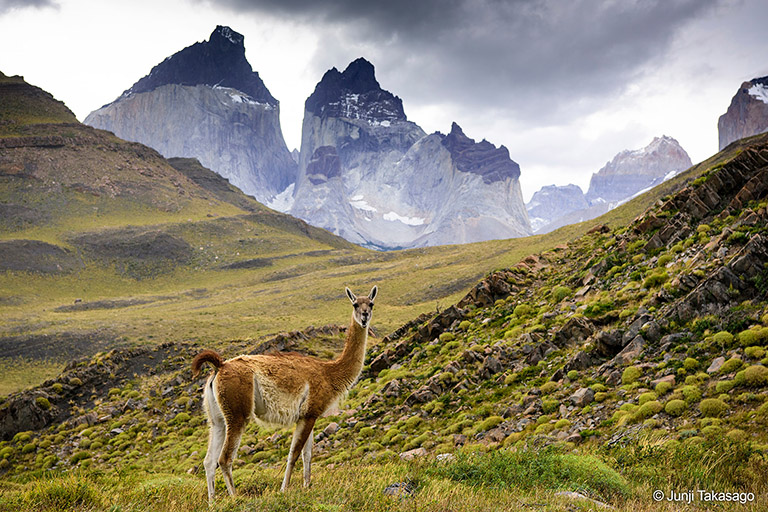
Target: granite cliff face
pixel 375 178
pixel 628 174
pixel 748 113
pixel 631 171
pixel 206 102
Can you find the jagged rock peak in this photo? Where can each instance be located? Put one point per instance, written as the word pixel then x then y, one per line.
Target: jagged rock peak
pixel 354 94
pixel 747 114
pixel 483 158
pixel 220 61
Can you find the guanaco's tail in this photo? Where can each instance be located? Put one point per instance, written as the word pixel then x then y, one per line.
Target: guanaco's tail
pixel 206 356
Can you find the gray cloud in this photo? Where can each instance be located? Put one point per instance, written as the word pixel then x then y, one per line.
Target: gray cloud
pixel 530 58
pixel 7 5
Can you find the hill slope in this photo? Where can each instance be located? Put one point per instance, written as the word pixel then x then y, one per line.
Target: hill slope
pixel 636 349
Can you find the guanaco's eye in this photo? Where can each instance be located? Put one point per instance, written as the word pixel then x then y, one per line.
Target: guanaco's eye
pixel 356 305
pixel 371 305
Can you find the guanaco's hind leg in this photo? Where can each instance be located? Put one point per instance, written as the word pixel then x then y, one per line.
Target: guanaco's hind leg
pixel 300 435
pixel 306 458
pixel 235 429
pixel 216 435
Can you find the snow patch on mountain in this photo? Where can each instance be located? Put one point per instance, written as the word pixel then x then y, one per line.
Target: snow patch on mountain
pixel 759 91
pixel 411 221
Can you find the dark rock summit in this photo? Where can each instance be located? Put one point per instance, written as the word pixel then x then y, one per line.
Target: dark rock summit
pixel 219 61
pixel 205 102
pixel 482 158
pixel 748 113
pixel 354 94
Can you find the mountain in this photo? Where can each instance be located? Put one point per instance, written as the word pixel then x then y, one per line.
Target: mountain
pixel 628 174
pixel 206 102
pixel 747 114
pixel 552 202
pixel 371 176
pixel 631 171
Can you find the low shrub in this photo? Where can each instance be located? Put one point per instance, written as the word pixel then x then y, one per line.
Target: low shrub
pixel 723 338
pixel 647 397
pixel 560 293
pixel 675 407
pixel 712 407
pixel 690 364
pixel 691 394
pixel 447 336
pixel 731 365
pixel 663 387
pixel 631 374
pixel 756 376
pixel 754 352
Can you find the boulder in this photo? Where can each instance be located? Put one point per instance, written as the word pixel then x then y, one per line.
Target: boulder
pixel 582 397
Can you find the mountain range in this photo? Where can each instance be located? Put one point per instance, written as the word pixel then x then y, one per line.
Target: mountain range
pixel 365 172
pixel 629 173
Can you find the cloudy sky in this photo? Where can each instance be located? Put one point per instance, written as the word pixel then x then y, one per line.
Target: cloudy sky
pixel 564 84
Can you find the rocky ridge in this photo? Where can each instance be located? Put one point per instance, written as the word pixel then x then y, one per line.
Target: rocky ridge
pixel 747 114
pixel 375 178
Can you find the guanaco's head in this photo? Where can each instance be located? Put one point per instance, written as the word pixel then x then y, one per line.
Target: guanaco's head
pixel 362 306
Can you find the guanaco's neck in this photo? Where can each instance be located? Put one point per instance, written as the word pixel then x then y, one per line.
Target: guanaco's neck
pixel 346 368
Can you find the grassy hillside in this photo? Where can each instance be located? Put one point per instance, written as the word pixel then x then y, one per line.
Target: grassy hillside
pixel 613 358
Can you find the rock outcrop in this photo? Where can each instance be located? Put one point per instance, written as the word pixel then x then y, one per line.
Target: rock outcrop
pixel 748 113
pixel 206 102
pixel 375 178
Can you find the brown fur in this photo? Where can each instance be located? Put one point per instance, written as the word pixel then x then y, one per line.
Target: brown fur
pixel 279 388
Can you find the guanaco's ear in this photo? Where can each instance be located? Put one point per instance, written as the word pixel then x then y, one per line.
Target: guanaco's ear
pixel 350 294
pixel 373 293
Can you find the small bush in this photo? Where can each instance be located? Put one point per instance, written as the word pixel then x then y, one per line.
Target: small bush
pixel 489 423
pixel 647 397
pixel 522 310
pixel 446 336
pixel 663 387
pixel 691 394
pixel 690 364
pixel 656 279
pixel 74 381
pixel 725 386
pixel 548 387
pixel 563 423
pixel 631 374
pixel 549 406
pixel 29 448
pixel 664 259
pixel 464 325
pixel 712 407
pixel 747 338
pixel 756 375
pixel 57 388
pixel 560 293
pixel 601 396
pixel 754 352
pixel 675 407
pixel 182 417
pixel 723 338
pixel 573 375
pixel 648 409
pixel 731 365
pixel 43 403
